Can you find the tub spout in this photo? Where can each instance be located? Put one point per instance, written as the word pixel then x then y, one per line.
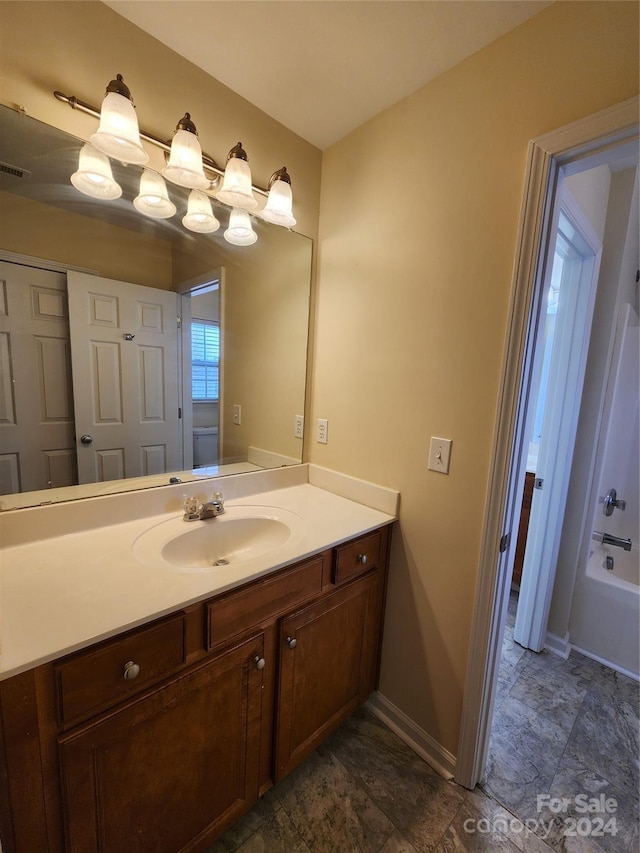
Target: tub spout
pixel 608 539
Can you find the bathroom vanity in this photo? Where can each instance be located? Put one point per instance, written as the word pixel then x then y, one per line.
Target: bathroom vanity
pixel 159 737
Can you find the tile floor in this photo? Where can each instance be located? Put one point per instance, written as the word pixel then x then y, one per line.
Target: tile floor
pixel 561 728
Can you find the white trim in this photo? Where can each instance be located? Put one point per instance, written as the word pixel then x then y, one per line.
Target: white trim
pixel 436 756
pixel 269 459
pixel 558 645
pixel 41 263
pixel 603 129
pixel 628 672
pixel 560 423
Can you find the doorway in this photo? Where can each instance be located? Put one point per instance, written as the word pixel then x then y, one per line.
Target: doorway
pixel 552 159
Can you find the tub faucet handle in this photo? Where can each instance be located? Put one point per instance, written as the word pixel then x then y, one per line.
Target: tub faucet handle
pixel 611 501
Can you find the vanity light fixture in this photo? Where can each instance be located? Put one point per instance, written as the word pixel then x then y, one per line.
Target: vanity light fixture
pixel 236 186
pixel 185 160
pixel 278 208
pixel 118 135
pixel 199 216
pixel 94 176
pixel 153 199
pixel 240 232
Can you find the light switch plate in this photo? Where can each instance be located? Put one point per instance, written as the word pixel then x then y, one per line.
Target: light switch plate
pixel 440 454
pixel 237 414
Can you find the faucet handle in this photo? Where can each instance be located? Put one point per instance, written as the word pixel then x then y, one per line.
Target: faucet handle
pixel 217 499
pixel 191 507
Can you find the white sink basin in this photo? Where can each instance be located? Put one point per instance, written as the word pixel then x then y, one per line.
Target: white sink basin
pixel 242 533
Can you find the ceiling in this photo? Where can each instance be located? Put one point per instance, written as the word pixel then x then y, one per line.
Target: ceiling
pixel 323 67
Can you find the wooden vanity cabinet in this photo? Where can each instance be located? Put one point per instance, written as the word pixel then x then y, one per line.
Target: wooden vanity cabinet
pixel 232 693
pixel 167 770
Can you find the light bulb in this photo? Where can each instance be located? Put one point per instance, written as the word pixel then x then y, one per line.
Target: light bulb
pixel 153 199
pixel 118 135
pixel 185 160
pixel 240 232
pixel 199 216
pixel 236 186
pixel 94 177
pixel 278 208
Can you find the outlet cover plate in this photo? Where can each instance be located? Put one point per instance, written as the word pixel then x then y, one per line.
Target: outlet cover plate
pixel 298 426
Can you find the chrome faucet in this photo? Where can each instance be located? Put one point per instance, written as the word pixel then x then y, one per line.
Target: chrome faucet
pixel 195 511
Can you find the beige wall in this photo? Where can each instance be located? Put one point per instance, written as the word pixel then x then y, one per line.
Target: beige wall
pixel 411 307
pixel 42 231
pixel 77 47
pixel 412 311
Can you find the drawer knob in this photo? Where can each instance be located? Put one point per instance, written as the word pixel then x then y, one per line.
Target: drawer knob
pixel 259 662
pixel 131 670
pixel 362 558
pixel 291 642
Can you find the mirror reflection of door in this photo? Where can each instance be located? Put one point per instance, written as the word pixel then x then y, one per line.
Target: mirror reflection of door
pixel 205 346
pixel 37 449
pixel 124 353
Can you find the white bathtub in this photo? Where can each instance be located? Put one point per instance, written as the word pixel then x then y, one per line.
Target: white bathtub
pixel 605 619
pixel 625 574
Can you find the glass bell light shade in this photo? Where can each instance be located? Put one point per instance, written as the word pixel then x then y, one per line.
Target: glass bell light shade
pixel 118 135
pixel 94 176
pixel 236 186
pixel 199 216
pixel 278 208
pixel 185 160
pixel 240 232
pixel 153 199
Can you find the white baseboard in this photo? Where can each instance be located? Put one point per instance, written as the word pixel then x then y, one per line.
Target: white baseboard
pixel 558 645
pixel 442 761
pixel 628 672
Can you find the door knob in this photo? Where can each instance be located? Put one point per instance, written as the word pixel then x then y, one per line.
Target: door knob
pixel 86 438
pixel 259 662
pixel 291 642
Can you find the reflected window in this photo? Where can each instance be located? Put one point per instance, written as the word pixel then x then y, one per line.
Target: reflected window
pixel 205 360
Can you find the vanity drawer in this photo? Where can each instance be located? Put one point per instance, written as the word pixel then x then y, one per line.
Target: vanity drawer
pixel 238 611
pixel 356 558
pixel 95 679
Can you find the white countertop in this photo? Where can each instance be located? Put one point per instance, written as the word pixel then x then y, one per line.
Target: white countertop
pixel 62 593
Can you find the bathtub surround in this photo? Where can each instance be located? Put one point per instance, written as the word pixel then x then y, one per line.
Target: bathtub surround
pixel 438 300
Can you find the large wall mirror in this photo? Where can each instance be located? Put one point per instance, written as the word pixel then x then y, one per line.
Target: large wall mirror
pixel 133 350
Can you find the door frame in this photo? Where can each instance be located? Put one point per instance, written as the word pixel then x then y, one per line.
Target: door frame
pixel 589 138
pixel 560 423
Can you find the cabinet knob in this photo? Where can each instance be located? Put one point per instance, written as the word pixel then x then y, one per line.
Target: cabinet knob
pixel 291 642
pixel 131 670
pixel 259 662
pixel 362 558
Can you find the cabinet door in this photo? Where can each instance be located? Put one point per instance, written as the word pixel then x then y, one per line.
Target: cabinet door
pixel 327 667
pixel 169 771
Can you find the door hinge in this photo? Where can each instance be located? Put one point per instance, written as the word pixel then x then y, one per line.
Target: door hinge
pixel 538 482
pixel 504 542
pixel 179 413
pixel 178 321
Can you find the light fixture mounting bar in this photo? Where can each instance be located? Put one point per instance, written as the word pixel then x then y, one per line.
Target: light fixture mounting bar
pixel 207 161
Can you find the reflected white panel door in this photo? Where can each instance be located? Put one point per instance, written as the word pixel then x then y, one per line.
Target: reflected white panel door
pixel 124 350
pixel 37 447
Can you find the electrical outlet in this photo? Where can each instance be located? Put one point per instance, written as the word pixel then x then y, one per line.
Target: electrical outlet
pixel 323 429
pixel 440 454
pixel 237 414
pixel 298 426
